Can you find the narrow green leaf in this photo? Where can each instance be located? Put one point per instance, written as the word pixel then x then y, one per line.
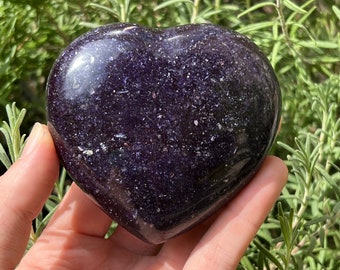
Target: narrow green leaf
pixel 11 114
pixel 268 254
pixel 4 158
pixel 22 143
pixel 275 54
pixel 264 235
pixel 317 220
pixel 301 22
pixel 255 7
pixel 16 133
pixel 286 230
pixel 260 261
pixel 89 24
pixel 286 147
pixel 172 2
pixel 282 257
pixel 336 208
pixel 44 222
pixel 327 177
pixel 60 185
pixel 318 44
pixel 336 11
pixel 11 132
pixel 292 6
pixel 207 14
pixel 5 130
pixel 312 244
pixel 322 236
pixel 246 264
pixel 107 9
pixel 255 27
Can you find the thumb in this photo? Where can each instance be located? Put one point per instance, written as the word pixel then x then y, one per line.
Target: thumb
pixel 24 188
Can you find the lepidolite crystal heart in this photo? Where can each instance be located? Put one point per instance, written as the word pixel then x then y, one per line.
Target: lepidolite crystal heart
pixel 162 127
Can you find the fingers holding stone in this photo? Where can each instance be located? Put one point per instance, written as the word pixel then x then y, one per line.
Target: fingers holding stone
pixel 232 231
pixel 79 213
pixel 24 189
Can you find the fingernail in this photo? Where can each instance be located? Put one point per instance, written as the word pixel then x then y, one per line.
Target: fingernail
pixel 33 140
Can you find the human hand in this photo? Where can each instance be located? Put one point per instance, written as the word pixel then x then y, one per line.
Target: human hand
pixel 74 238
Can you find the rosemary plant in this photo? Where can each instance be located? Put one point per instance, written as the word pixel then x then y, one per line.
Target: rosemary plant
pixel 302 42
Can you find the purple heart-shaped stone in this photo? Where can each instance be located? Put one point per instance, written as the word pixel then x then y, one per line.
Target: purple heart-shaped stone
pixel 162 127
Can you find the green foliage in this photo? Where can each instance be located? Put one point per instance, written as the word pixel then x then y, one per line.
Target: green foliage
pixel 11 131
pixel 302 42
pixel 14 143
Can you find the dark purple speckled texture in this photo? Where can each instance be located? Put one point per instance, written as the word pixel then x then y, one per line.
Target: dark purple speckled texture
pixel 162 127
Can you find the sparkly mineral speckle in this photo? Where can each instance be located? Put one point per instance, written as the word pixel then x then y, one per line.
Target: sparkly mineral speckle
pixel 162 127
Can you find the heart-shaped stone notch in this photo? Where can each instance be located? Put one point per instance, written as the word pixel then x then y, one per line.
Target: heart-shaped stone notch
pixel 162 127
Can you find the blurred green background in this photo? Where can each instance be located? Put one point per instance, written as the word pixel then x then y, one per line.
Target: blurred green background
pixel 302 42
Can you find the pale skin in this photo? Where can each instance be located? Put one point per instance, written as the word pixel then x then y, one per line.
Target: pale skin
pixel 74 237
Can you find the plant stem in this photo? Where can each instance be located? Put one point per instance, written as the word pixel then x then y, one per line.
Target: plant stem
pixel 195 11
pixel 217 4
pixel 282 20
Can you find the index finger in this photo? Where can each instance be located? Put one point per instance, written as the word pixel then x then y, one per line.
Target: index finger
pixel 24 189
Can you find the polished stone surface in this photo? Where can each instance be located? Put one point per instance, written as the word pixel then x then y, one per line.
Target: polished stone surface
pixel 162 127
